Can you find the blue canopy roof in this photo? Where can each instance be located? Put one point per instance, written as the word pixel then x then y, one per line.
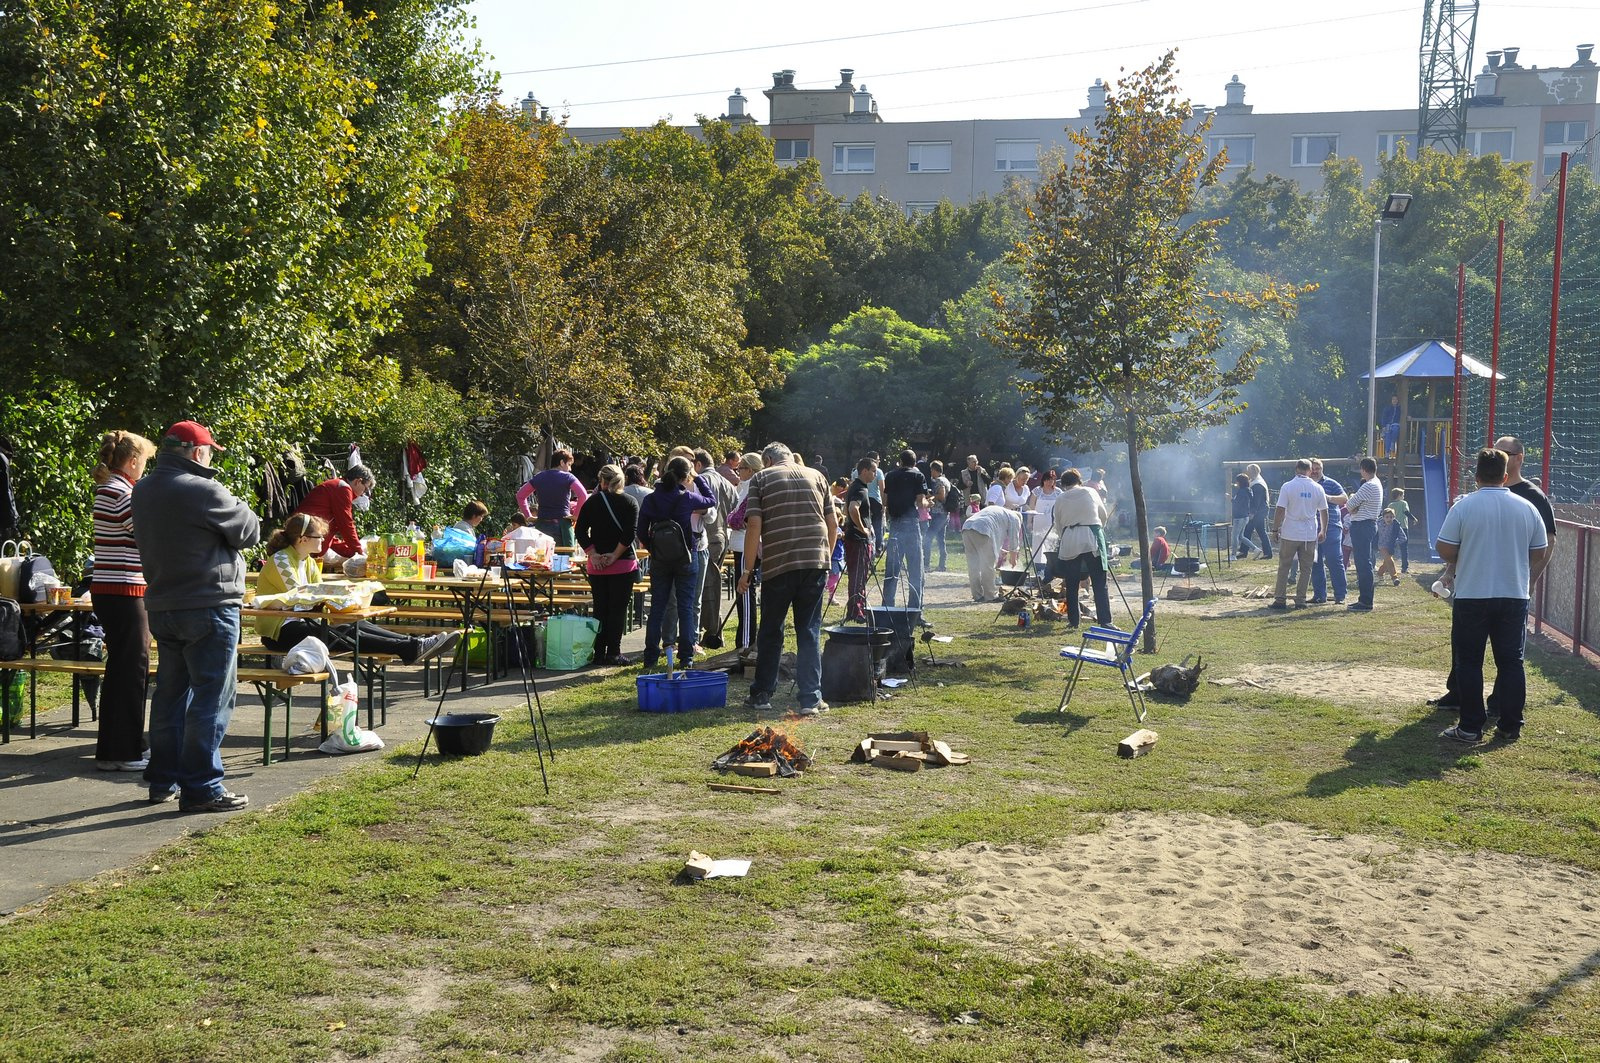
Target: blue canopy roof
pixel 1434 359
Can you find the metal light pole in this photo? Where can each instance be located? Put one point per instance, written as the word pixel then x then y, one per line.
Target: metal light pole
pixel 1393 210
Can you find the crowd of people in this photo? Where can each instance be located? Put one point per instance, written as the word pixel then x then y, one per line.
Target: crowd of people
pixel 169 565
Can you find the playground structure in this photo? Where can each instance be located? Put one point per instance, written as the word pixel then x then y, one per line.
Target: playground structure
pixel 1418 435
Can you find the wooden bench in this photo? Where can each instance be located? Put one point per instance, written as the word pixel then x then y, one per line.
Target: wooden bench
pixel 272 684
pixel 275 686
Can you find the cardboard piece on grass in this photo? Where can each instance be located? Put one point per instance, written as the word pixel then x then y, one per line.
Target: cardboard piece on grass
pixel 699 865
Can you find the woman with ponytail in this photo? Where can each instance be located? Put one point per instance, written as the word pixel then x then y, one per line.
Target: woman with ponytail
pixel 117 591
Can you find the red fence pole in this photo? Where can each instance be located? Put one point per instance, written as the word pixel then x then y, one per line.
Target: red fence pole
pixel 1455 394
pixel 1494 335
pixel 1555 317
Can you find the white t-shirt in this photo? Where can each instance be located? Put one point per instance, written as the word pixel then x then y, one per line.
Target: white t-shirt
pixel 996 495
pixel 1302 501
pixel 1494 530
pixel 1015 497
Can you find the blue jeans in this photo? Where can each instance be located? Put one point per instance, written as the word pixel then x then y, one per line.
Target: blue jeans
pixel 905 556
pixel 680 585
pixel 933 535
pixel 798 591
pixel 669 622
pixel 1330 556
pixel 1504 623
pixel 1364 539
pixel 193 699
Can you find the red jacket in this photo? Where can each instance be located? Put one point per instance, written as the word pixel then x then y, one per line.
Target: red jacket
pixel 331 500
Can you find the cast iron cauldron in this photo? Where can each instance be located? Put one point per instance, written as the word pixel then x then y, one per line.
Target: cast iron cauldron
pixel 465 734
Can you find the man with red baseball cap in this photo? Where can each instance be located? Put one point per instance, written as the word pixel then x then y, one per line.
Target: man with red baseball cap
pixel 190 530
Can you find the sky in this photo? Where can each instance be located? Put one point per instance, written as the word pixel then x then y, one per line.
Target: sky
pixel 608 63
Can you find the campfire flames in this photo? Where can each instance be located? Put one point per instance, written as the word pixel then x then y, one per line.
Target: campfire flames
pixel 767 745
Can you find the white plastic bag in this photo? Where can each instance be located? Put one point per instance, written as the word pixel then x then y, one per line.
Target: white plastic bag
pixel 310 654
pixel 348 737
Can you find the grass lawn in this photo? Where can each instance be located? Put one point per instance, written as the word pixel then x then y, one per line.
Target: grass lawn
pixel 466 916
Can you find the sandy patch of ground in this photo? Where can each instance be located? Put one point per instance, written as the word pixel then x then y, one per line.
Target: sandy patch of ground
pixel 1355 913
pixel 1353 684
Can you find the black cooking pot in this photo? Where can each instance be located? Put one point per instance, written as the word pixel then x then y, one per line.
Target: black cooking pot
pixel 465 734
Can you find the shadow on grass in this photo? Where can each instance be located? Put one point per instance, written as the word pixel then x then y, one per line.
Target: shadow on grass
pixel 1413 752
pixel 1491 1040
pixel 1071 721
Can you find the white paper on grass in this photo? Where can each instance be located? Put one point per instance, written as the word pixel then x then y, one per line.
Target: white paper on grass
pixel 728 869
pixel 891 683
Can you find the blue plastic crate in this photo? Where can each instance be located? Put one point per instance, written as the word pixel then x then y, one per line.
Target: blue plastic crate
pixel 683 691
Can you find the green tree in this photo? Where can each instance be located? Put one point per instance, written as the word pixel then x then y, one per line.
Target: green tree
pixel 210 208
pixel 590 292
pixel 1119 333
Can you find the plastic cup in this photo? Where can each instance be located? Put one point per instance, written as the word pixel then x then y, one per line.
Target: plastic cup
pixel 1441 591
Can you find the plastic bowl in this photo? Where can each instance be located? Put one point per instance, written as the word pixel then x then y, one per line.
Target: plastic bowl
pixel 465 734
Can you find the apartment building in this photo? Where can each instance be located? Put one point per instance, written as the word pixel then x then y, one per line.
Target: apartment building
pixel 1522 113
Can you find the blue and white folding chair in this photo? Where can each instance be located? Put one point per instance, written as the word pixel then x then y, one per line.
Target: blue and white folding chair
pixel 1116 653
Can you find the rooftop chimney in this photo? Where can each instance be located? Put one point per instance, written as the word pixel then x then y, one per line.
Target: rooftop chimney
pixel 1485 84
pixel 736 104
pixel 1584 52
pixel 529 107
pixel 1494 59
pixel 1097 95
pixel 846 75
pixel 1511 58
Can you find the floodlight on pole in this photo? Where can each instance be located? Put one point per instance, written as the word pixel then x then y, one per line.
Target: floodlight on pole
pixel 1394 209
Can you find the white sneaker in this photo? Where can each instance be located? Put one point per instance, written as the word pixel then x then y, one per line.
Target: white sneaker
pixel 813 710
pixel 123 765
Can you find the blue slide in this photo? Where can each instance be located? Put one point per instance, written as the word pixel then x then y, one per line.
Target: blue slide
pixel 1435 499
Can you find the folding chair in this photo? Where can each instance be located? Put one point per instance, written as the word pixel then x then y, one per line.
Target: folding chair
pixel 1117 653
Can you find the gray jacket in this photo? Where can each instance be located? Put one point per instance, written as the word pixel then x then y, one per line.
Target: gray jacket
pixel 190 530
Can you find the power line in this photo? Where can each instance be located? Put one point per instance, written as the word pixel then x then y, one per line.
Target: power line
pixel 1003 62
pixel 827 40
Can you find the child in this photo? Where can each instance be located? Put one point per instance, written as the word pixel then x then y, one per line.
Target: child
pixel 1391 536
pixel 1406 519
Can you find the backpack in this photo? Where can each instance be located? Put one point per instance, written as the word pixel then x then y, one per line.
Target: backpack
pixel 953 499
pixel 32 567
pixel 12 646
pixel 669 550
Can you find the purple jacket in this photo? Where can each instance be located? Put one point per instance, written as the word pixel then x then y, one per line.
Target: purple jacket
pixel 679 505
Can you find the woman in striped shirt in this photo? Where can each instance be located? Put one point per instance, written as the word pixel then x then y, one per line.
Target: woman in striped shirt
pixel 117 591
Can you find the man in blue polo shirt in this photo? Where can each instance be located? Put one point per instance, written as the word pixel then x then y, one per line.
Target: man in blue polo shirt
pixel 1330 551
pixel 1492 543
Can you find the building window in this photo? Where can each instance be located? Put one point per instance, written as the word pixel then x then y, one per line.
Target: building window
pixel 1017 155
pixel 928 157
pixel 789 152
pixel 1491 142
pixel 1313 149
pixel 855 158
pixel 921 210
pixel 1241 150
pixel 1564 136
pixel 1389 144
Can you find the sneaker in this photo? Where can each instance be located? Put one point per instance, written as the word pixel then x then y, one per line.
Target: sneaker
pixel 1338 601
pixel 1445 701
pixel 437 645
pixel 226 801
pixel 1397 582
pixel 1359 607
pixel 1278 603
pixel 1319 601
pixel 1507 734
pixel 161 797
pixel 813 710
pixel 758 702
pixel 619 660
pixel 712 642
pixel 123 765
pixel 1456 734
